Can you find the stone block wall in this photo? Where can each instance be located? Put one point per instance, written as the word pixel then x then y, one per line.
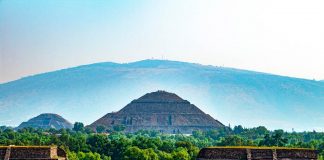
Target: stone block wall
pixel 2 152
pixel 256 153
pixel 31 153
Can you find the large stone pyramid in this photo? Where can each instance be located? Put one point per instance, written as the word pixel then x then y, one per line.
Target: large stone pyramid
pixel 161 111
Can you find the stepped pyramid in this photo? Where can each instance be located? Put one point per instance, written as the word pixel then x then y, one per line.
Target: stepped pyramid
pixel 46 121
pixel 161 111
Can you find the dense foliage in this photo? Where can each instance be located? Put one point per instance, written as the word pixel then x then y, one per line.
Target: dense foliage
pixel 83 144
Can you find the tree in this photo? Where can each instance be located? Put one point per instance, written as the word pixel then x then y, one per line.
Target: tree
pixel 191 149
pixel 167 146
pixel 100 129
pixel 232 140
pixel 261 130
pixel 238 129
pixel 180 154
pixel 119 128
pixel 99 143
pixel 105 157
pixel 145 142
pixel 276 139
pixel 164 156
pixel 85 156
pixel 72 156
pixel 267 141
pixel 119 144
pixel 150 145
pixel 197 134
pixel 88 156
pixel 149 154
pixel 78 127
pixel 135 153
pixel 88 130
pixel 2 128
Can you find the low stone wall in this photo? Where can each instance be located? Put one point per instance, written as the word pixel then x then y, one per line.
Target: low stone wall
pixel 31 153
pixel 256 153
pixel 2 152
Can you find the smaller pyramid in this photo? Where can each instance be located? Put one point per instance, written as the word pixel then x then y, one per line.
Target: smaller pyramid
pixel 47 121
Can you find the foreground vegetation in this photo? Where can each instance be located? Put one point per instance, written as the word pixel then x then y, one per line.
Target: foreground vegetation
pixel 83 144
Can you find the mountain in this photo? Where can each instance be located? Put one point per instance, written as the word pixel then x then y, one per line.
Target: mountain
pixel 46 121
pixel 161 111
pixel 234 96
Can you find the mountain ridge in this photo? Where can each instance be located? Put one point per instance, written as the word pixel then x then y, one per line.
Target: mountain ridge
pixel 110 63
pixel 107 86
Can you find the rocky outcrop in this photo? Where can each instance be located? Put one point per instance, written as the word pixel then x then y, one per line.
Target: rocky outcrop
pixel 46 121
pixel 161 111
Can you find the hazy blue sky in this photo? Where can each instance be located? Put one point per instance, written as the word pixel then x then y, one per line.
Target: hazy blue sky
pixel 284 37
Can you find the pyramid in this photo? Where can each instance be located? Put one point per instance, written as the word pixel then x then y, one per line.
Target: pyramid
pixel 161 111
pixel 46 121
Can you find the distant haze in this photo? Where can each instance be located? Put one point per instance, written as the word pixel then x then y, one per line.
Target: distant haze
pixel 86 93
pixel 283 37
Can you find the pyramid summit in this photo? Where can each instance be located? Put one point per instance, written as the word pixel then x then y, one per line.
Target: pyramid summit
pixel 159 96
pixel 161 111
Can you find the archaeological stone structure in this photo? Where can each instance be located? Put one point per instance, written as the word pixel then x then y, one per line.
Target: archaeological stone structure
pixel 161 111
pixel 32 153
pixel 46 121
pixel 256 153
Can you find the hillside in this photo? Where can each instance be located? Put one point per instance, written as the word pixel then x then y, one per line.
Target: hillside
pixel 234 96
pixel 160 111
